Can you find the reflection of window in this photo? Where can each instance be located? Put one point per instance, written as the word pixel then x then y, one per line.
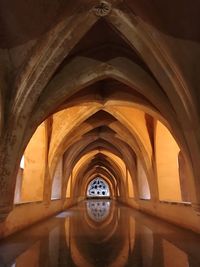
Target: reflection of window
pixel 98 188
pixel 98 210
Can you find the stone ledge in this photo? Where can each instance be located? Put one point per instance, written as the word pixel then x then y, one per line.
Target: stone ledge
pixel 175 203
pixel 28 203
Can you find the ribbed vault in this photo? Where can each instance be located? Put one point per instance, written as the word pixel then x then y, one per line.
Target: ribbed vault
pixel 98 93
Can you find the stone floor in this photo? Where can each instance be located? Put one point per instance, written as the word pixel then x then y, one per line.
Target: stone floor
pixel 101 233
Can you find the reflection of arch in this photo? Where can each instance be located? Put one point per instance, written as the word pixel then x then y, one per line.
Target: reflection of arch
pixel 101 234
pixel 104 225
pixel 98 211
pixel 98 187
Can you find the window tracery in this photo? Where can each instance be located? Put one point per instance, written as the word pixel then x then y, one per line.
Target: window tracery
pixel 98 188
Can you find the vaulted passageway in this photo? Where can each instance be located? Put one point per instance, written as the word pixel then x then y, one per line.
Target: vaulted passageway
pixel 100 99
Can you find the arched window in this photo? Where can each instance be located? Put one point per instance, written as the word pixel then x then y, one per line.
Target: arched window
pixel 98 188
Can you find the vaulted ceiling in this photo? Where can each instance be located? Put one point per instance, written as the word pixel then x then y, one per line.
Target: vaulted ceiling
pixel 101 73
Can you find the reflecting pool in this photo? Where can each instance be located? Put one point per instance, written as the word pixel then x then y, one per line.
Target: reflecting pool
pixel 101 233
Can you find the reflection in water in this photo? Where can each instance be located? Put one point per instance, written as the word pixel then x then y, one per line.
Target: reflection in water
pixel 101 233
pixel 98 210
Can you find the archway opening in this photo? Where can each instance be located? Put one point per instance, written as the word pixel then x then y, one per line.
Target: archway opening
pixel 98 188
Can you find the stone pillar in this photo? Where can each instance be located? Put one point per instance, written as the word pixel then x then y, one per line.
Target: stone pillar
pixel 47 188
pixel 7 188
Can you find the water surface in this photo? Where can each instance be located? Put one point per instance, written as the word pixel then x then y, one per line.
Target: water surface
pixel 101 233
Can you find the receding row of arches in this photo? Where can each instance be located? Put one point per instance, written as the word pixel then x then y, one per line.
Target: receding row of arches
pixel 99 150
pixel 99 96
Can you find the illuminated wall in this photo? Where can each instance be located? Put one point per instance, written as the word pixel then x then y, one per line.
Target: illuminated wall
pixel 34 166
pixel 167 152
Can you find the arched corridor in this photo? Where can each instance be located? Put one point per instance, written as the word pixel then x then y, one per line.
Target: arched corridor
pixel 99 100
